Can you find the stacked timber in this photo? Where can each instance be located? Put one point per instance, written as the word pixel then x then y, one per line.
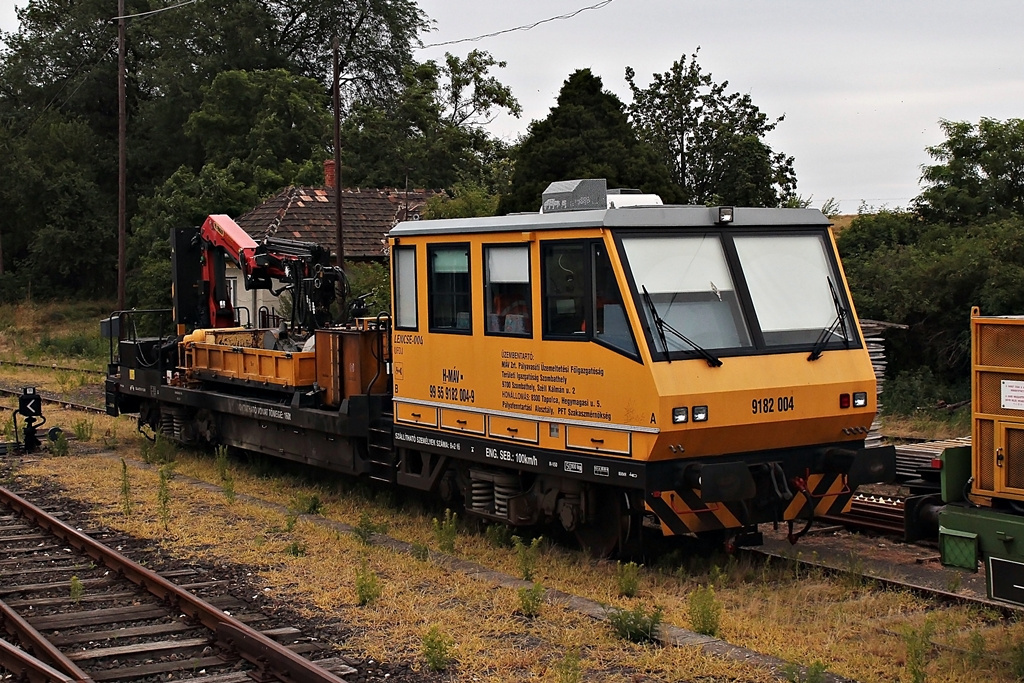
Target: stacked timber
pixel 873 331
pixel 911 458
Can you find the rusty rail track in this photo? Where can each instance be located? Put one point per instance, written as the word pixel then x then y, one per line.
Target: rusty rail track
pixel 53 366
pixel 153 627
pixel 876 513
pixel 56 401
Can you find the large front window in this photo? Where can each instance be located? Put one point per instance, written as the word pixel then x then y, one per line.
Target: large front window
pixel 687 293
pixel 729 291
pixel 793 288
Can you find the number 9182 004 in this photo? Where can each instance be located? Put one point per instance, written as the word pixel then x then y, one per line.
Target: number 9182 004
pixel 779 404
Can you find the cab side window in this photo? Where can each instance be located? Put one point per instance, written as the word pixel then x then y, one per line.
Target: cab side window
pixel 564 265
pixel 405 288
pixel 507 298
pixel 611 325
pixel 448 288
pixel 582 298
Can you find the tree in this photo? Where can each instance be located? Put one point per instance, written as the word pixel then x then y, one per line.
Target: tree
pixel 59 229
pixel 432 134
pixel 980 174
pixel 586 135
pixel 257 132
pixel 464 202
pixel 60 66
pixel 927 276
pixel 263 126
pixel 712 140
pixel 185 199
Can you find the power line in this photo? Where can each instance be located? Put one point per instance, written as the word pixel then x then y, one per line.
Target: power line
pixel 157 11
pixel 67 81
pixel 525 27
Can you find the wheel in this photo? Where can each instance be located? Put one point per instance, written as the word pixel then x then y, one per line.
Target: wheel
pixel 613 525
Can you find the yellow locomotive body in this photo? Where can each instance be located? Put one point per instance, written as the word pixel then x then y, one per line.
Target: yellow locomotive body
pixel 695 369
pixel 701 366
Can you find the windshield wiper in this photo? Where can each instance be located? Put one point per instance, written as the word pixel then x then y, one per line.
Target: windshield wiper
pixel 661 326
pixel 839 323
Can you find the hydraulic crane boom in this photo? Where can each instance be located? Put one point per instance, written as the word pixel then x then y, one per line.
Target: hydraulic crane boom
pixel 302 267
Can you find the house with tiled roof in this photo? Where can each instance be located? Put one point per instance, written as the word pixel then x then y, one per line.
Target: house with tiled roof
pixel 308 214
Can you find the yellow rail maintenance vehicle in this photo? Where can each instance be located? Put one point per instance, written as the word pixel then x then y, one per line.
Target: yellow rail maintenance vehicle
pixel 605 363
pixel 612 359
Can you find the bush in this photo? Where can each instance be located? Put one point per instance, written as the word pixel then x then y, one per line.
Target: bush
pixel 498 535
pixel 705 611
pixel 368 587
pixel 126 490
pixel 163 495
pixel 60 446
pixel 75 345
pixel 530 600
pixel 77 589
pixel 82 429
pixel 527 556
pixel 307 504
pixel 156 452
pixel 373 279
pixel 918 390
pixel 366 528
pixel 568 670
pixel 628 577
pixel 437 649
pixel 919 646
pixel 445 532
pixel 815 673
pixel 637 625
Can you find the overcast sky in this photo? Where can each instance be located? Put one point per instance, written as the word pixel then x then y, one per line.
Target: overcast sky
pixel 862 83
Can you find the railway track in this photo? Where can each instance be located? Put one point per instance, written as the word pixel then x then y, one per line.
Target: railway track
pixel 53 366
pixel 51 400
pixel 882 514
pixel 74 609
pixel 875 513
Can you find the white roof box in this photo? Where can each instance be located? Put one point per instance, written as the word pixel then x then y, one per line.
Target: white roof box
pixel 591 193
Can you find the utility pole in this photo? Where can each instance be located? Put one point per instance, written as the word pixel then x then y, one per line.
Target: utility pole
pixel 122 156
pixel 339 241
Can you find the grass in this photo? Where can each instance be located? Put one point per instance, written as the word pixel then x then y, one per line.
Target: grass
pixel 487 632
pixel 928 425
pixel 857 630
pixel 768 609
pixel 65 333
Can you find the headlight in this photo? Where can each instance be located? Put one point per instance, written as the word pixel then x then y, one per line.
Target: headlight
pixel 700 413
pixel 680 415
pixel 860 400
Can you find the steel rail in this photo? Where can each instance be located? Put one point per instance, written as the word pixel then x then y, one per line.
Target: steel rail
pixel 40 366
pixel 877 515
pixel 37 647
pixel 54 401
pixel 26 667
pixel 250 644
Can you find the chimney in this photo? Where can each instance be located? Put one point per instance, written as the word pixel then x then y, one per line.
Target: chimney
pixel 329 173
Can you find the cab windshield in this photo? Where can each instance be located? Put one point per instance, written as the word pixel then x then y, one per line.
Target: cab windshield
pixel 731 292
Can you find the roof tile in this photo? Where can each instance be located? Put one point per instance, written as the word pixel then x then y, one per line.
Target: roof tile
pixel 308 214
